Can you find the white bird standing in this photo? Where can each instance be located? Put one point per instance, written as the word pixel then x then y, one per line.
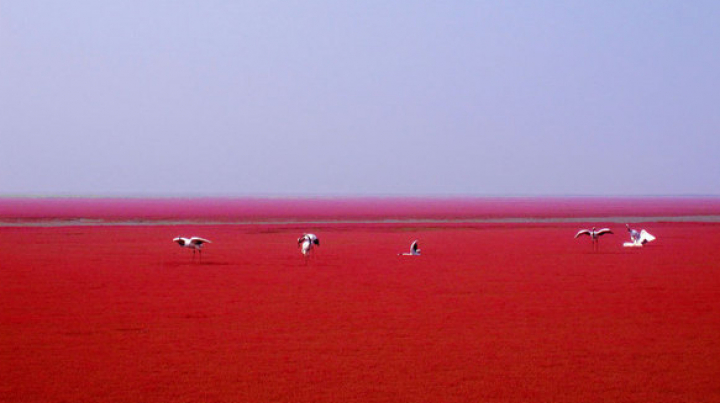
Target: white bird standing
pixel 638 239
pixel 194 243
pixel 306 243
pixel 594 234
pixel 414 251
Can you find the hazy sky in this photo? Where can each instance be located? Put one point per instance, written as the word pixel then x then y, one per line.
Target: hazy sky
pixel 265 98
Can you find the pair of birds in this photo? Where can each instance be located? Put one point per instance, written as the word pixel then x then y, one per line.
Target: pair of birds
pixel 637 238
pixel 306 242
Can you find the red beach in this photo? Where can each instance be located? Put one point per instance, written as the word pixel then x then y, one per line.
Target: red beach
pixel 98 304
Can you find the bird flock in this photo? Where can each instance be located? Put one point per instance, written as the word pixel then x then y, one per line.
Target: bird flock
pixel 308 242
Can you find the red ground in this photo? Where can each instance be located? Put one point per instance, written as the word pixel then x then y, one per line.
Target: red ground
pixel 227 209
pixel 511 313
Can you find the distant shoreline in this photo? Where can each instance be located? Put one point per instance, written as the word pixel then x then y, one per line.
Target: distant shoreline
pixel 370 210
pixel 50 223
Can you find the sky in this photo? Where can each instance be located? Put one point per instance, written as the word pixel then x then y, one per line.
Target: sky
pixel 359 98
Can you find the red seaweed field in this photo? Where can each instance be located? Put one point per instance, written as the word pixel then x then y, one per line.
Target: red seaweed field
pixel 491 311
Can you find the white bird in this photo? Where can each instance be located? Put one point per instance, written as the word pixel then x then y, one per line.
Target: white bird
pixel 414 251
pixel 594 234
pixel 195 243
pixel 306 243
pixel 638 239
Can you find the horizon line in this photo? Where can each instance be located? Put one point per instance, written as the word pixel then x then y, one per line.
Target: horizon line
pixel 351 196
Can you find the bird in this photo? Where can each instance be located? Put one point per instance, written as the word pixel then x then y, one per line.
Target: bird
pixel 594 234
pixel 638 239
pixel 414 251
pixel 195 243
pixel 306 243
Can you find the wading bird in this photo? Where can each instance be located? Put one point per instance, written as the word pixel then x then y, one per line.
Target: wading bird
pixel 414 251
pixel 594 234
pixel 306 243
pixel 638 239
pixel 195 243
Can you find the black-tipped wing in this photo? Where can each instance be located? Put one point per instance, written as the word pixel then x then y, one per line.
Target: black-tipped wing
pixel 198 241
pixel 414 246
pixel 310 238
pixel 582 232
pixel 603 231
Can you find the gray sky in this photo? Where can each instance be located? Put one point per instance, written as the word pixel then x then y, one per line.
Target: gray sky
pixel 307 98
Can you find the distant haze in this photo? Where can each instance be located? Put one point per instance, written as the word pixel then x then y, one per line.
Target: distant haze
pixel 315 98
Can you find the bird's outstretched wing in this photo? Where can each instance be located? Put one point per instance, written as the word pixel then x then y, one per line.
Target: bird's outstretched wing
pixel 198 241
pixel 414 246
pixel 645 237
pixel 582 232
pixel 603 231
